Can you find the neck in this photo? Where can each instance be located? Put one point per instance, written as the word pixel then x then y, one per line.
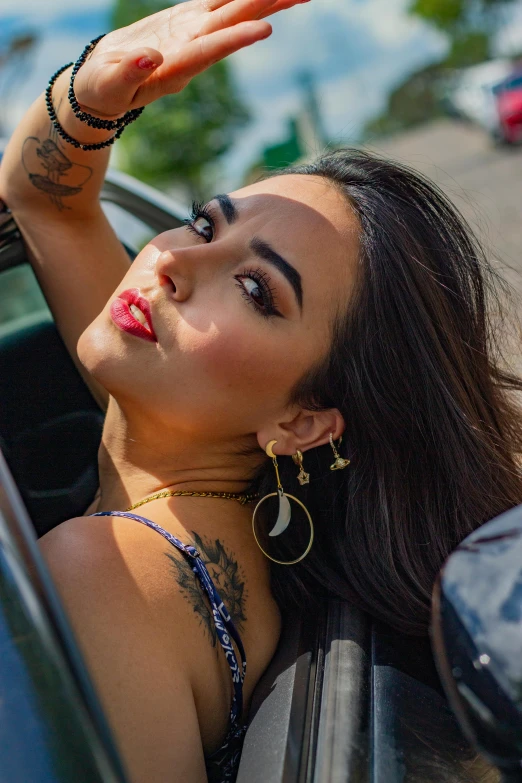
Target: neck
pixel 137 459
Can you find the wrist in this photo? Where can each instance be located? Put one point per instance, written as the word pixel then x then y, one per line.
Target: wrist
pixel 114 126
pixel 98 114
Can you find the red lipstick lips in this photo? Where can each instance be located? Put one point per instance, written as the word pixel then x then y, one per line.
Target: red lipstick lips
pixel 122 316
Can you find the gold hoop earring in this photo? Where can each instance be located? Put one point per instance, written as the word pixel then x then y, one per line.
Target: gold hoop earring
pixel 340 463
pixel 302 477
pixel 284 513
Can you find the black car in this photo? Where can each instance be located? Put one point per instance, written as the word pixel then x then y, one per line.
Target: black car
pixel 346 699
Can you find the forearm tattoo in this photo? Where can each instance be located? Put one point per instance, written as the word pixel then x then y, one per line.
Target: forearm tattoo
pixel 227 576
pixel 50 170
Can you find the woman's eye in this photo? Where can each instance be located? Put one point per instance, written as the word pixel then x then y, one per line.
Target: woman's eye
pixel 201 222
pixel 203 228
pixel 256 290
pixel 253 290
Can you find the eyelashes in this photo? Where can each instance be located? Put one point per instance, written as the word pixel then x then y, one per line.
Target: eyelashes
pixel 261 295
pixel 265 299
pixel 197 211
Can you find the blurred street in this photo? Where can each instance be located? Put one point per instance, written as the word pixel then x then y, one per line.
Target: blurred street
pixel 484 181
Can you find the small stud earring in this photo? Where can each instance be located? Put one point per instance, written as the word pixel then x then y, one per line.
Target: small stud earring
pixel 340 463
pixel 302 477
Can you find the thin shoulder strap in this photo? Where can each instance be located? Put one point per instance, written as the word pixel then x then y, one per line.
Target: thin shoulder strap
pixel 224 624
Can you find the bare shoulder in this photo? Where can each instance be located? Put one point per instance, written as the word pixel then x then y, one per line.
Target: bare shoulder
pixel 133 598
pixel 142 678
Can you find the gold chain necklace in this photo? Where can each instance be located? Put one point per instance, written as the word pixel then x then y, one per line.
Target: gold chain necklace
pixel 182 493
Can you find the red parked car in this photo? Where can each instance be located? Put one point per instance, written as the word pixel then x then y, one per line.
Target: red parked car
pixel 509 105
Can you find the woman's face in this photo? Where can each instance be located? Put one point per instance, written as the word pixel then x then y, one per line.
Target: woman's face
pixel 242 304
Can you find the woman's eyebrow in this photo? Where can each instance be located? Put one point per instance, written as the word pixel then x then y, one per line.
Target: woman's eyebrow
pixel 263 249
pixel 267 253
pixel 227 207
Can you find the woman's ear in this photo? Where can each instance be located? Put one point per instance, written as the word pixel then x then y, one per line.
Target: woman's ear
pixel 306 430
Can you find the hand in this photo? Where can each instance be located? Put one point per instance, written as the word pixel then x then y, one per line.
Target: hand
pixel 160 54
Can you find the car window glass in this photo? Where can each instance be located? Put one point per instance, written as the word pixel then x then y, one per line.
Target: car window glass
pixel 136 232
pixel 21 301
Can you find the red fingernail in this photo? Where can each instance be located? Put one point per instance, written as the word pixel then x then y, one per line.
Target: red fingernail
pixel 146 63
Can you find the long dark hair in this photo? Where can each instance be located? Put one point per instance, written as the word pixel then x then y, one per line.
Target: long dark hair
pixel 433 429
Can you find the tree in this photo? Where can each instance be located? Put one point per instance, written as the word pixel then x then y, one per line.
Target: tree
pixel 469 24
pixel 413 102
pixel 179 136
pixel 454 16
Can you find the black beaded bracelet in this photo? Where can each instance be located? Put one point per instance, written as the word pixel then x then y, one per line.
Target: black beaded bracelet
pixel 89 119
pixel 58 128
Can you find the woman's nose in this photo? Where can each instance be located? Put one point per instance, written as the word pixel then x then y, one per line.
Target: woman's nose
pixel 173 273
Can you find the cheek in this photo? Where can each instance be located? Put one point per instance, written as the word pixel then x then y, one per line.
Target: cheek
pixel 238 357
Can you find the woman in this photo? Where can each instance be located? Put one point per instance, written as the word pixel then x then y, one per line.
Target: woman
pixel 345 298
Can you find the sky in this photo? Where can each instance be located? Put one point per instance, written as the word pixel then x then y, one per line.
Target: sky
pixel 357 50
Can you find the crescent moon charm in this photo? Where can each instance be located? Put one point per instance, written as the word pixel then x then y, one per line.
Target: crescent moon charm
pixel 284 515
pixel 283 520
pixel 268 448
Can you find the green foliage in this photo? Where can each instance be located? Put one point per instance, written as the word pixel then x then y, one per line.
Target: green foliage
pixel 411 103
pixel 286 153
pixel 443 14
pixel 469 49
pixel 469 26
pixel 455 17
pixel 179 136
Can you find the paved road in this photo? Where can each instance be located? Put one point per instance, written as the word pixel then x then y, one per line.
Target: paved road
pixel 485 182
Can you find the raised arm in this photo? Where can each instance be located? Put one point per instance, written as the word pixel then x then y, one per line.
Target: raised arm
pixel 53 189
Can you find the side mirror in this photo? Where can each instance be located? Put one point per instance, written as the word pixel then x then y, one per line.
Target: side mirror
pixel 476 636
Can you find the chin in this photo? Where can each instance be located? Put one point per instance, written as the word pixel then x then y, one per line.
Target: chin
pixel 115 361
pixel 101 351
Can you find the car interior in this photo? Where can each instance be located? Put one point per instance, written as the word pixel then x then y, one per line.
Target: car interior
pixel 318 711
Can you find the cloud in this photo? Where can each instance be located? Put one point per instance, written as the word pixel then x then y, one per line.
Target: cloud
pixel 37 11
pixel 333 40
pixel 509 39
pixel 387 19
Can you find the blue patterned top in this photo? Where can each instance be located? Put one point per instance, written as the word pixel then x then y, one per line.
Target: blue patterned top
pixel 222 765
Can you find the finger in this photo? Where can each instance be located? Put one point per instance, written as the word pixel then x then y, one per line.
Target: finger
pixel 213 5
pixel 203 52
pixel 136 66
pixel 278 5
pixel 121 77
pixel 282 5
pixel 236 12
